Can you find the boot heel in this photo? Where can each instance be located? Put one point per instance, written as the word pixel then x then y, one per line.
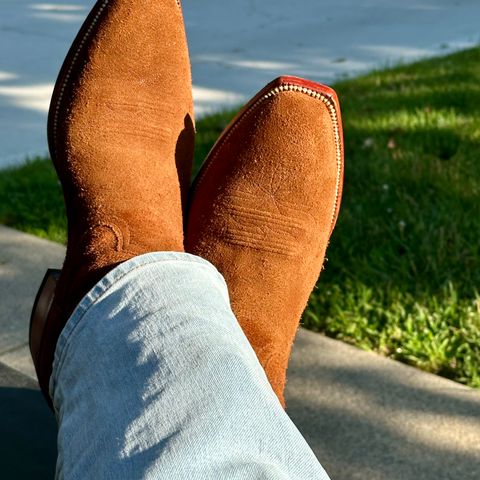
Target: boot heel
pixel 41 307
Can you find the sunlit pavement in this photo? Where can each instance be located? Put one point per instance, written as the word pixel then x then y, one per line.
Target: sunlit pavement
pixel 236 47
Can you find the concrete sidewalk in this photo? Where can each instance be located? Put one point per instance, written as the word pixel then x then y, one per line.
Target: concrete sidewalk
pixel 23 262
pixel 366 417
pixel 236 48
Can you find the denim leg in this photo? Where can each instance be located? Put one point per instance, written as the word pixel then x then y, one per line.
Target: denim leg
pixel 154 379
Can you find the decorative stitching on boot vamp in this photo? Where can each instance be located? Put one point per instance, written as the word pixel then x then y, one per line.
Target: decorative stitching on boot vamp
pixel 261 228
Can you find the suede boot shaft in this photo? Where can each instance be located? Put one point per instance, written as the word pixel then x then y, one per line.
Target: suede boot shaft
pixel 263 208
pixel 121 135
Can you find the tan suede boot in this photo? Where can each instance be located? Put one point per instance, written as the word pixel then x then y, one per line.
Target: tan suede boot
pixel 263 208
pixel 120 132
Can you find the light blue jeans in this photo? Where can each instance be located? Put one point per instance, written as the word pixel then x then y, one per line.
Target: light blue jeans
pixel 154 379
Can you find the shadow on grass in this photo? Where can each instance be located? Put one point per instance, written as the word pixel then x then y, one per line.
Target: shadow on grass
pixel 410 215
pixel 403 269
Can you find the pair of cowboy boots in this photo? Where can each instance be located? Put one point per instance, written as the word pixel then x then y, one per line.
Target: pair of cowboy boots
pixel 121 137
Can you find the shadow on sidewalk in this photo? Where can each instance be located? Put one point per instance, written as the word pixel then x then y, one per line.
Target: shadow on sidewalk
pixel 366 417
pixel 28 429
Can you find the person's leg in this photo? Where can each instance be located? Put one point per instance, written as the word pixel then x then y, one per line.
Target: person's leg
pixel 153 378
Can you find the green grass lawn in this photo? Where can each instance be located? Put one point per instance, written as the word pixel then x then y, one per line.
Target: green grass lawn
pixel 403 270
